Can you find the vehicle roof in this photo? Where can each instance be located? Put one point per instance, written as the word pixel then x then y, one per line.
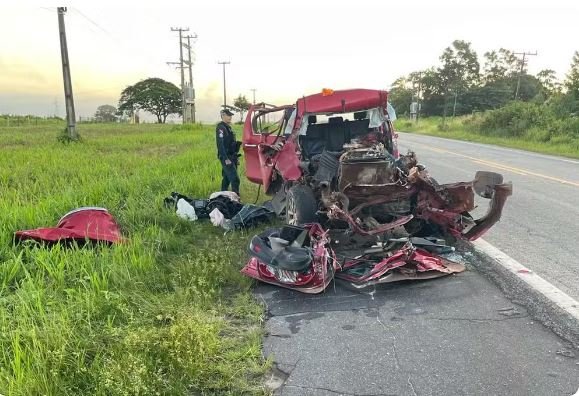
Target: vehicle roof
pixel 342 101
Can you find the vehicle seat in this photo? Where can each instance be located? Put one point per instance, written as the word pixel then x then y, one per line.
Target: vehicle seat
pixel 337 134
pixel 314 142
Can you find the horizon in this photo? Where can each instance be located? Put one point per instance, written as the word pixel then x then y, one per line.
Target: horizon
pixel 320 45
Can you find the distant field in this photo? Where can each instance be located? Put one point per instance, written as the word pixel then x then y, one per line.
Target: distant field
pixel 461 128
pixel 165 313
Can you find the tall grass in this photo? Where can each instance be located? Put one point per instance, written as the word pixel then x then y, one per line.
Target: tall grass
pixel 167 312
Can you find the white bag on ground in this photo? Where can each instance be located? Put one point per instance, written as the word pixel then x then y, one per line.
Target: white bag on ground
pixel 216 217
pixel 185 210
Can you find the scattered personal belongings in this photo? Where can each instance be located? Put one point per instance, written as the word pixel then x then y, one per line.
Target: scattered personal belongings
pixel 227 206
pixel 229 194
pixel 83 224
pixel 250 216
pixel 223 208
pixel 185 210
pixel 217 218
pixel 199 205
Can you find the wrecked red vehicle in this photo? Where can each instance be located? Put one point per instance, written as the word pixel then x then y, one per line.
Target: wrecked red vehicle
pixel 332 159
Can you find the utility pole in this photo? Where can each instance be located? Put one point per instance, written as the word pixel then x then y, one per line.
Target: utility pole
pixel 183 101
pixel 523 62
pixel 224 88
pixel 253 89
pixel 69 100
pixel 190 65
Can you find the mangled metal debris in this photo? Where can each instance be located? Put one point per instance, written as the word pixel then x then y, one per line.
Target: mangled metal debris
pixel 371 215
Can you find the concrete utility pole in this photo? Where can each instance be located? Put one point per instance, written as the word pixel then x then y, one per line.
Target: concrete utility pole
pixel 190 65
pixel 224 88
pixel 183 100
pixel 523 63
pixel 253 89
pixel 69 100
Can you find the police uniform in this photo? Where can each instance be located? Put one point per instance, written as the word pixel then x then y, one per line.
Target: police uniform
pixel 227 149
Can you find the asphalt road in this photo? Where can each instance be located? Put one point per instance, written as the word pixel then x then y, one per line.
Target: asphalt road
pixel 457 335
pixel 540 223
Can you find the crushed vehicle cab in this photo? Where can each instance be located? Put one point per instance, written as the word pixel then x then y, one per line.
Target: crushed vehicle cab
pixel 356 209
pixel 332 158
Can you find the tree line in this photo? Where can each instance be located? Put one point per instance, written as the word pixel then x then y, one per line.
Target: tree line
pixel 459 85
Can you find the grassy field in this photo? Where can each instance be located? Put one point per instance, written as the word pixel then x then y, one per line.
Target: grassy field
pixel 460 128
pixel 166 313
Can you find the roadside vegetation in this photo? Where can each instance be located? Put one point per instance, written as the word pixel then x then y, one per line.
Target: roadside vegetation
pixel 167 312
pixel 496 102
pixel 526 126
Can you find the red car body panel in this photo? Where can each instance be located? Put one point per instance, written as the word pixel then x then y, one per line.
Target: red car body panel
pixel 314 280
pixel 340 102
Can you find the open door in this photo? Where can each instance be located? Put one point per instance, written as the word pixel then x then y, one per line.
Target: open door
pixel 264 127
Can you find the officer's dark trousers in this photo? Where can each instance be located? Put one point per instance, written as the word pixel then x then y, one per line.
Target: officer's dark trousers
pixel 229 173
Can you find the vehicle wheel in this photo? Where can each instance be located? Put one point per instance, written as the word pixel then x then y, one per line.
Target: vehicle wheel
pixel 301 205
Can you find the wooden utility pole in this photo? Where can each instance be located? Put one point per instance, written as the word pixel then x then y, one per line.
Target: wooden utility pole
pixel 190 65
pixel 183 100
pixel 523 62
pixel 69 100
pixel 224 88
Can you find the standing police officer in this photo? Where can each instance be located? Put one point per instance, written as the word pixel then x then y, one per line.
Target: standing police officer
pixel 227 152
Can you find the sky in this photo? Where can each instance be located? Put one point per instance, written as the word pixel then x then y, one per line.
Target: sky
pixel 281 49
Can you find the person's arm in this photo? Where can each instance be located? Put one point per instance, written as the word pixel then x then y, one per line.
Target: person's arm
pixel 221 150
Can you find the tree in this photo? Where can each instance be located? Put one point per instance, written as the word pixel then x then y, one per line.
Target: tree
pixel 400 95
pixel 499 65
pixel 242 105
pixel 106 113
pixel 154 95
pixel 572 81
pixel 459 71
pixel 549 83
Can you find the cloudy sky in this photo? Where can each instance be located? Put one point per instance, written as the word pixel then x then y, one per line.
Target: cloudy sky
pixel 282 49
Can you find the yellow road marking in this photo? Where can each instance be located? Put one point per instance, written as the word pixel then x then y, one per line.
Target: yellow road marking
pixel 513 169
pixel 485 163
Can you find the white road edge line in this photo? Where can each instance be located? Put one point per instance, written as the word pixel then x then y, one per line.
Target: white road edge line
pixel 554 294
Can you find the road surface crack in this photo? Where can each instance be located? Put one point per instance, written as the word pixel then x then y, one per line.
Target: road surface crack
pixel 394 350
pixel 412 387
pixel 477 320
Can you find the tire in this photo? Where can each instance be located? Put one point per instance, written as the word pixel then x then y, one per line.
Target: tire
pixel 301 206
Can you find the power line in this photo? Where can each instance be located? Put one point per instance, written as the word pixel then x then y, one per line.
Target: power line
pixel 117 41
pixel 91 21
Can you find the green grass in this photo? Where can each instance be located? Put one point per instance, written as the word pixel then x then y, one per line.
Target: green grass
pixel 461 128
pixel 165 313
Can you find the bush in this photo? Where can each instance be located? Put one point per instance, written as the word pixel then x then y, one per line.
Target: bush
pixel 515 119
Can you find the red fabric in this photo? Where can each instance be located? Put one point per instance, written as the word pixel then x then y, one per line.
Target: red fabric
pixel 93 224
